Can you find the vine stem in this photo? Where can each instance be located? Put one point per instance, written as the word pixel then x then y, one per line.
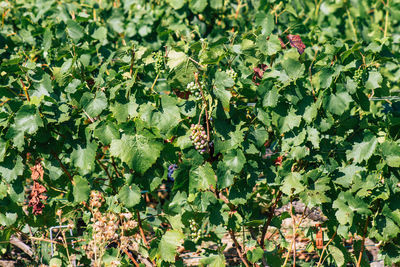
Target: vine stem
pixel 352 24
pixel 239 5
pixel 363 242
pixel 294 235
pixel 386 19
pixel 141 229
pixel 142 232
pixel 294 232
pixel 154 83
pixel 268 222
pixel 63 167
pixel 239 249
pixel 115 167
pixel 201 114
pixel 25 90
pixel 196 76
pixel 194 61
pixel 107 173
pixel 324 249
pixel 132 61
pixel 310 73
pixel 131 258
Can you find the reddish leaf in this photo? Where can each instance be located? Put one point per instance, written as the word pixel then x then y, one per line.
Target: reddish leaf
pixel 295 41
pixel 180 94
pixel 278 161
pixel 258 73
pixel 283 46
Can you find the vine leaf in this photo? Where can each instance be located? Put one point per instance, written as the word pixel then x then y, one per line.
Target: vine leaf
pixel 364 150
pixel 81 189
pixel 168 245
pixel 94 105
pixel 83 158
pixel 129 195
pixel 295 41
pixel 27 120
pixel 137 151
pixel 201 178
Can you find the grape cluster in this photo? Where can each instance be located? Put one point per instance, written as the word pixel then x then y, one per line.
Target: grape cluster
pixel 358 76
pixel 195 233
pixel 159 61
pixel 198 137
pixel 195 89
pixel 171 170
pixel 231 73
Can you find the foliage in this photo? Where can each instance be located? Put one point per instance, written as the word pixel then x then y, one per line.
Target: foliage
pixel 297 100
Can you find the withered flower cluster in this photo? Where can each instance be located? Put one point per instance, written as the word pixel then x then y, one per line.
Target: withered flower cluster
pixel 37 194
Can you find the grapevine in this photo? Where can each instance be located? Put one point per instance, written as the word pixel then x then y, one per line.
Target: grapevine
pixel 132 131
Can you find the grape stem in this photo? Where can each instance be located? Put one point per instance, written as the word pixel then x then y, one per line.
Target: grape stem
pixel 201 114
pixel 196 76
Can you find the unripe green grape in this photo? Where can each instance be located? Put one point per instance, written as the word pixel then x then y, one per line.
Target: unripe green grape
pixel 231 73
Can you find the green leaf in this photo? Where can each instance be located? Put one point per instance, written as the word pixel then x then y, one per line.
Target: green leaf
pixel 122 112
pixel 197 6
pixel 374 80
pixel 289 122
pixel 3 149
pixel 74 30
pixel 3 190
pixel 364 150
pixel 214 261
pixel 137 151
pixel 8 219
pixel 94 104
pixel 391 153
pixel 129 195
pixel 66 66
pixel 106 132
pixel 27 120
pixel 47 39
pixel 83 158
pixel 176 4
pixel 292 66
pixel 168 117
pixel 271 98
pixel 100 34
pixel 266 22
pixel 224 175
pixel 255 255
pixel 339 103
pixel 325 77
pixel 292 184
pixel 273 45
pixel 223 95
pixel 168 245
pixel 11 168
pixel 175 59
pixel 222 79
pixel 81 189
pixel 338 255
pixel 348 174
pixel 201 178
pixel 346 204
pixel 235 160
pixel 260 136
pixel 217 4
pixel 310 113
pixel 313 137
